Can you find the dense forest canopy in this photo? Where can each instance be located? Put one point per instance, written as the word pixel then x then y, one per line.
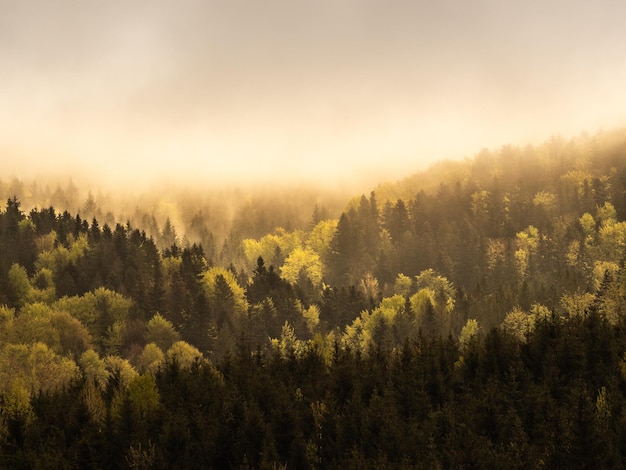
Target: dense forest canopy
pixel 470 314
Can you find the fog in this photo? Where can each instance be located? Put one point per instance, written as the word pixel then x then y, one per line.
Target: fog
pixel 340 93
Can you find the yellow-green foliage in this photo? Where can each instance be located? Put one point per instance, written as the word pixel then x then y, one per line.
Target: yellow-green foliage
pixel 274 247
pixel 40 288
pixel 421 300
pixel 546 200
pixel 355 333
pixel 121 369
pixel 612 240
pixel 443 290
pixel 161 332
pixel 395 320
pixel 60 257
pixel 606 213
pixel 183 354
pixel 44 289
pixel 403 285
pixel 141 396
pixel 288 345
pixel 94 369
pixel 576 303
pixel 33 324
pixel 7 316
pixel 528 239
pixel 521 323
pixel 26 225
pixel 387 324
pixel 389 308
pixel 150 359
pixel 467 333
pixel 588 225
pixel 320 237
pixel 35 367
pixel 239 296
pixel 311 316
pixel 19 285
pixel 289 251
pixel 527 243
pixel 302 262
pixel 90 307
pixel 600 269
pixel 39 322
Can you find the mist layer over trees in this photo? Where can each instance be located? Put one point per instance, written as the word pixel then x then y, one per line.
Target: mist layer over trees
pixel 469 315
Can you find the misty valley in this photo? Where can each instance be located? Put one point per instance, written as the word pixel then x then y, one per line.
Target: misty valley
pixel 471 315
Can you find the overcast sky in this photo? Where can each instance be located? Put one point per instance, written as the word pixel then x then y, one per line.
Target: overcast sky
pixel 298 89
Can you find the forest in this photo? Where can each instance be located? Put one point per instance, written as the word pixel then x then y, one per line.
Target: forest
pixel 472 315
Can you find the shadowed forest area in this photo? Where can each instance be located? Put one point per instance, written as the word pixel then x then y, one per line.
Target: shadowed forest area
pixel 472 315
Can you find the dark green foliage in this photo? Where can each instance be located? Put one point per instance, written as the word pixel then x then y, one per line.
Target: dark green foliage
pixel 556 400
pixel 340 306
pixel 273 302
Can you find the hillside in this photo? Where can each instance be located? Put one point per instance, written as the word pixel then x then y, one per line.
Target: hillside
pixel 479 301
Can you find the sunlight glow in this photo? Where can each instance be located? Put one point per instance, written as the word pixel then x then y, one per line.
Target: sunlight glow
pixel 231 91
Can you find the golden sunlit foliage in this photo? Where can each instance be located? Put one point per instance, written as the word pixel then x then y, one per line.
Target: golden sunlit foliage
pixel 300 263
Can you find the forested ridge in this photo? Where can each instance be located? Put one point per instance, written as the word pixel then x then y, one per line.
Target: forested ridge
pixel 471 315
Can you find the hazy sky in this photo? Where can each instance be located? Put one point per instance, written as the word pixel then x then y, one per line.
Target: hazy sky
pixel 295 88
